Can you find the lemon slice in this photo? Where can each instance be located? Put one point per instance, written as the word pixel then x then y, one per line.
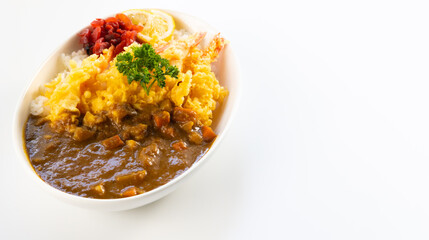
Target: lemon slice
pixel 157 25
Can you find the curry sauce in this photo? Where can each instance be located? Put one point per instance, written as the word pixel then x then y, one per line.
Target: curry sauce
pixel 109 157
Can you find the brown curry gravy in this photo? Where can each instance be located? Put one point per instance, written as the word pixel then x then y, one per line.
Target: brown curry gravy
pixel 140 152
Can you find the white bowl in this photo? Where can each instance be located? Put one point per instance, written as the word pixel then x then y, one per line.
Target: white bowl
pixel 226 69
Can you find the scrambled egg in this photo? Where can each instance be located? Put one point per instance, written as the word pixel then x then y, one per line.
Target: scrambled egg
pixel 97 85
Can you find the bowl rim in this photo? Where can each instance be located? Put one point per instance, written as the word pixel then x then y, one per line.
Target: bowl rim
pixel 19 131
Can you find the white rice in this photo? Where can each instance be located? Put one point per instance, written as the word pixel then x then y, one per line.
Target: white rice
pixel 76 56
pixel 37 106
pixel 180 34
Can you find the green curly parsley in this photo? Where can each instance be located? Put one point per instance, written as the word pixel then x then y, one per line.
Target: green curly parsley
pixel 146 67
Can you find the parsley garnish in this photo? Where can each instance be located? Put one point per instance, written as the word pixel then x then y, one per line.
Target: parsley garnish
pixel 146 67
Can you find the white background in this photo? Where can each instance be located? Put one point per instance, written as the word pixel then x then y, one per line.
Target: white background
pixel 331 140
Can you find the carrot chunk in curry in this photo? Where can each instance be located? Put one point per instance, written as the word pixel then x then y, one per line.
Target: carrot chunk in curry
pixel 112 142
